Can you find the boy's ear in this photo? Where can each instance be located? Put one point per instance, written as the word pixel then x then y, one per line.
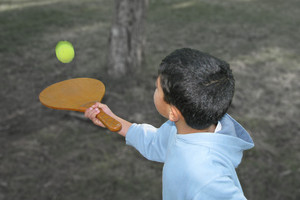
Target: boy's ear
pixel 174 114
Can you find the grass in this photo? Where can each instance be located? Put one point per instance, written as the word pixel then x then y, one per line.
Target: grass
pixel 47 154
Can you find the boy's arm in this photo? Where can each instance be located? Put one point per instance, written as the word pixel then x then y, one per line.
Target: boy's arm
pixel 94 110
pixel 151 142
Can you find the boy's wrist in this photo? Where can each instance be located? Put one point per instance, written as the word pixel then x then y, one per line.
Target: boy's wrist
pixel 125 126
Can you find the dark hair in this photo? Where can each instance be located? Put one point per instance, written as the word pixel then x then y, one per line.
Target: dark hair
pixel 199 85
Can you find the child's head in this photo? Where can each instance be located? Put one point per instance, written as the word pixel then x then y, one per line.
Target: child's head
pixel 199 85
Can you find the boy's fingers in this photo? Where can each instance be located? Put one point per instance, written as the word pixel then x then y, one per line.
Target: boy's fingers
pixel 102 106
pixel 94 110
pixel 91 112
pixel 97 104
pixel 87 111
pixel 97 122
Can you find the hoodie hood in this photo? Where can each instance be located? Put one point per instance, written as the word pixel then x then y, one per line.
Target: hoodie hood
pixel 229 142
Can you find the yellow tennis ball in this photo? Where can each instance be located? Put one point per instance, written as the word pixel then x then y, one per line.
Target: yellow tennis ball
pixel 64 51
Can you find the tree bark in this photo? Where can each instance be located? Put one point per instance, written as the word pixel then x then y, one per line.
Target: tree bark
pixel 127 40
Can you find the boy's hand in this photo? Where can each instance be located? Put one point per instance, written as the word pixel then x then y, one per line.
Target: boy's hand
pixel 94 110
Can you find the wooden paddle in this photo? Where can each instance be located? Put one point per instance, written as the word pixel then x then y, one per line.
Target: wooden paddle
pixel 78 94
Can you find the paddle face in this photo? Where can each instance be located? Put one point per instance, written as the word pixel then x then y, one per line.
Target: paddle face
pixel 73 94
pixel 78 94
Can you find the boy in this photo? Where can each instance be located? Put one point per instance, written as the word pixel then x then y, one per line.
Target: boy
pixel 200 145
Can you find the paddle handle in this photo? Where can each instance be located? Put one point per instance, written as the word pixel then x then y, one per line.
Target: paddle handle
pixel 110 123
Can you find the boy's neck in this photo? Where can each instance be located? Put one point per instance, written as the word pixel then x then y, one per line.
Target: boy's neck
pixel 183 128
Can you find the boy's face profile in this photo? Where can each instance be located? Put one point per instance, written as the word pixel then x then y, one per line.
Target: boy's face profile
pixel 160 104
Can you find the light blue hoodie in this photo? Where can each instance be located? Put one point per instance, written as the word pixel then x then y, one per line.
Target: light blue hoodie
pixel 198 165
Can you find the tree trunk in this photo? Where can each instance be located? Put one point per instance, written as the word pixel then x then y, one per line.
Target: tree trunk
pixel 126 41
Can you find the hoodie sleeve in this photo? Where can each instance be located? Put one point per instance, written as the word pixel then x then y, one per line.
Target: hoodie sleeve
pixel 220 188
pixel 151 142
